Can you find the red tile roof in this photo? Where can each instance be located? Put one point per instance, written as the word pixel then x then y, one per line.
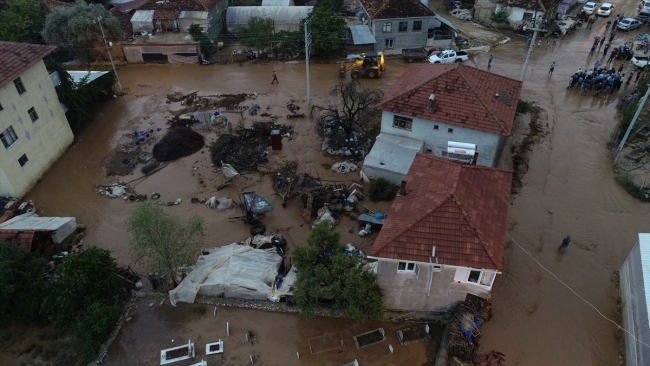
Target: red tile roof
pixel 171 9
pixel 464 96
pixel 390 9
pixel 21 239
pixel 15 58
pixel 461 209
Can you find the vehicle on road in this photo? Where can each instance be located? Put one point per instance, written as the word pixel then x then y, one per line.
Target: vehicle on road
pixel 566 25
pixel 639 59
pixel 447 56
pixel 629 24
pixel 605 9
pixel 590 7
pixel 412 54
pixel 644 5
pixel 643 16
pixel 370 64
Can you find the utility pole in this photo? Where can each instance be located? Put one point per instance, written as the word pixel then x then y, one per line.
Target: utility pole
pixel 108 50
pixel 532 44
pixel 629 128
pixel 307 49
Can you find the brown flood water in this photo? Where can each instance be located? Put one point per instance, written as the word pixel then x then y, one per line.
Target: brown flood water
pixel 569 190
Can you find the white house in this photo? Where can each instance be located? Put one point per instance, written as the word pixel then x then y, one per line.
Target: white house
pixel 635 302
pixel 34 130
pixel 444 236
pixel 468 106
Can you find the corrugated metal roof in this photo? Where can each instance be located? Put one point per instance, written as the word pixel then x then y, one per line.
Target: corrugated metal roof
pixel 277 2
pixel 193 15
pixel 142 16
pixel 393 153
pixel 241 15
pixel 63 226
pixel 446 22
pixel 361 35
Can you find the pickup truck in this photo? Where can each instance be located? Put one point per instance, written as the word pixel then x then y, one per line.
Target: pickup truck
pixel 411 54
pixel 447 56
pixel 639 59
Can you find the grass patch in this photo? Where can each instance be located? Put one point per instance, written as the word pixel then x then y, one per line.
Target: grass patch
pixel 199 309
pixel 382 190
pixel 627 182
pixel 523 106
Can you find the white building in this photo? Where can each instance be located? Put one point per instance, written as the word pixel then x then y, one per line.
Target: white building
pixel 469 106
pixel 285 18
pixel 635 302
pixel 34 130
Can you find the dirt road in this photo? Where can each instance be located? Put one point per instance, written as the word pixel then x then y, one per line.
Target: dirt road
pixel 569 190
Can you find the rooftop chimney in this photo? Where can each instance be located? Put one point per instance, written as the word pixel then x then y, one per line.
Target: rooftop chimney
pixel 431 100
pixel 402 187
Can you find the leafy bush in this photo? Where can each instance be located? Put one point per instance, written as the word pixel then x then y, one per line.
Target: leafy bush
pixel 382 190
pixel 93 326
pixel 500 16
pixel 21 283
pixel 627 182
pixel 523 106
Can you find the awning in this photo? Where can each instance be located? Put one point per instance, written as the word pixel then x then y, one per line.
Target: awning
pixel 361 35
pixel 446 22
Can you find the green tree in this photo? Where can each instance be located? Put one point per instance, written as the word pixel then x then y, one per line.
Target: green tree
pixel 21 283
pixel 21 20
pixel 93 326
pixel 83 280
pixel 327 30
pixel 337 6
pixel 161 242
pixel 257 35
pixel 500 16
pixel 77 28
pixel 326 272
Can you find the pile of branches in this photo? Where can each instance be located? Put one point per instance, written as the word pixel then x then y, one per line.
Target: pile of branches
pixel 245 149
pixel 177 143
pixel 475 311
pixel 341 138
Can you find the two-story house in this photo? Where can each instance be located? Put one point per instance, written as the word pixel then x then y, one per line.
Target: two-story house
pixel 444 237
pixel 397 24
pixel 431 106
pixel 34 130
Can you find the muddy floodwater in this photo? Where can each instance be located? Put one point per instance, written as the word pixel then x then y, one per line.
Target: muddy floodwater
pixel 568 190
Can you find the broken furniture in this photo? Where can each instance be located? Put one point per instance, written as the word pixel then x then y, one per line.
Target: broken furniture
pixel 184 352
pixel 254 207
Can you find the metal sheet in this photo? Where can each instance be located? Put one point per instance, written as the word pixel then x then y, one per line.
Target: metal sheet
pixel 361 35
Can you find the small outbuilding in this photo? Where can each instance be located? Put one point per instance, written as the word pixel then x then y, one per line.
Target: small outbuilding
pixel 635 302
pixel 277 3
pixel 285 18
pixel 142 21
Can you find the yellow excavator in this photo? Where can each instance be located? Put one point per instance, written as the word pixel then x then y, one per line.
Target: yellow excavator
pixel 370 64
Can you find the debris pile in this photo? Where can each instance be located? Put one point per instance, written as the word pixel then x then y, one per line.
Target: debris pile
pixel 182 121
pixel 177 143
pixel 193 102
pixel 464 333
pixel 343 139
pixel 246 148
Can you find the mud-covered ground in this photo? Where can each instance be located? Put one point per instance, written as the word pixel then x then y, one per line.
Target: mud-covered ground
pixel 568 190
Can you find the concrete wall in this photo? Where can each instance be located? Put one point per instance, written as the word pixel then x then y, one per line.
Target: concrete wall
pixel 428 290
pixel 42 141
pixel 488 144
pixel 408 39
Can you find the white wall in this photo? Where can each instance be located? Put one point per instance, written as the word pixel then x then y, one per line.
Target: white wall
pixel 42 141
pixel 436 140
pixel 516 14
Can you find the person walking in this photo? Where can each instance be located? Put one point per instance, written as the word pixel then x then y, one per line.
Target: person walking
pixel 275 78
pixel 629 78
pixel 590 22
pixel 596 65
pixel 593 49
pixel 611 56
pixel 606 48
pixel 554 41
pixel 620 68
pixel 564 245
pixel 638 74
pixel 611 37
pixel 490 62
pixel 550 72
pixel 548 44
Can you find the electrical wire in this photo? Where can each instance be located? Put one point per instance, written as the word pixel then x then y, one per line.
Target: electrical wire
pixel 578 295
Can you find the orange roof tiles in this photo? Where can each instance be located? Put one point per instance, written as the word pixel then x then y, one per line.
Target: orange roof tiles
pixel 15 58
pixel 464 96
pixel 461 209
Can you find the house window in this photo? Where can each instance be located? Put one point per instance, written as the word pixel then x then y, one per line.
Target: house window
pixel 451 130
pixel 23 160
pixel 19 86
pixel 417 26
pixel 474 276
pixel 484 278
pixel 388 27
pixel 435 127
pixel 32 114
pixel 403 26
pixel 437 267
pixel 8 137
pixel 528 17
pixel 429 151
pixel 406 267
pixel 389 42
pixel 1 107
pixel 402 122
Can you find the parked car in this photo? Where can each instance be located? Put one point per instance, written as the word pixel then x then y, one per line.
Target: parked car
pixel 639 60
pixel 629 24
pixel 643 15
pixel 447 56
pixel 567 25
pixel 645 5
pixel 590 7
pixel 605 10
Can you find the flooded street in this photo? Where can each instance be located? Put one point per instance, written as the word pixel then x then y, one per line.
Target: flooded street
pixel 568 190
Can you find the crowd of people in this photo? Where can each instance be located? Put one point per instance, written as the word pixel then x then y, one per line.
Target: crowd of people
pixel 602 80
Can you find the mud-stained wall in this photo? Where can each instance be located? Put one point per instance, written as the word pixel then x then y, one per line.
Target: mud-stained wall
pixel 41 141
pixel 435 141
pixel 410 291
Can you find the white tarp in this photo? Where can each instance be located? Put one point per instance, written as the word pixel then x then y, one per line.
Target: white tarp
pixel 285 286
pixel 232 271
pixel 61 227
